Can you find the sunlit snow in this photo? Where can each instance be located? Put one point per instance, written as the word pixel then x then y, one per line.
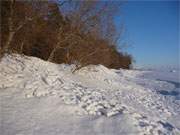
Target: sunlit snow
pixel 42 98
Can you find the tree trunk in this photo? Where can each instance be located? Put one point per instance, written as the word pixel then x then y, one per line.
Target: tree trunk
pixel 11 32
pixel 51 56
pixel 22 47
pixel 67 57
pixel 9 40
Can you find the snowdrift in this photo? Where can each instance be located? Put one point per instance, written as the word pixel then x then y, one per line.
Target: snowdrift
pixel 95 91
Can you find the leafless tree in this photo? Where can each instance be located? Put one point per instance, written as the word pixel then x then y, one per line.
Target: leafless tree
pixel 64 31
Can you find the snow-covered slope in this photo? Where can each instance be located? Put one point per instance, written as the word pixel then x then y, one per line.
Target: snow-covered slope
pixel 42 98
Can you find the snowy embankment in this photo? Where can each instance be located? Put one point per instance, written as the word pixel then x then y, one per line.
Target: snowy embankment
pixel 42 98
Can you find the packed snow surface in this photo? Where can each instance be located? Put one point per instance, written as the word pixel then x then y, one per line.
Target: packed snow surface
pixel 42 98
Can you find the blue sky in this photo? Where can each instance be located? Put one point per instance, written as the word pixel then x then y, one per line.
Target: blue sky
pixel 151 30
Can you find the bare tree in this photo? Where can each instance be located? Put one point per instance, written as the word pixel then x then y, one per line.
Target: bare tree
pixel 11 26
pixel 64 31
pixel 19 15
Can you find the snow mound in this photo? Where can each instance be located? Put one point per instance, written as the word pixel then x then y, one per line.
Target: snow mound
pixel 98 72
pixel 96 90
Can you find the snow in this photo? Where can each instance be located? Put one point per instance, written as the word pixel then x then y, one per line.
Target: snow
pixel 42 98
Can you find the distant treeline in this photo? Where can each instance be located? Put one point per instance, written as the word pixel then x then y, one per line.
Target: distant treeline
pixel 72 32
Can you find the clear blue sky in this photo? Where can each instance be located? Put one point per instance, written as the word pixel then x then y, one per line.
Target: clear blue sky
pixel 152 32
